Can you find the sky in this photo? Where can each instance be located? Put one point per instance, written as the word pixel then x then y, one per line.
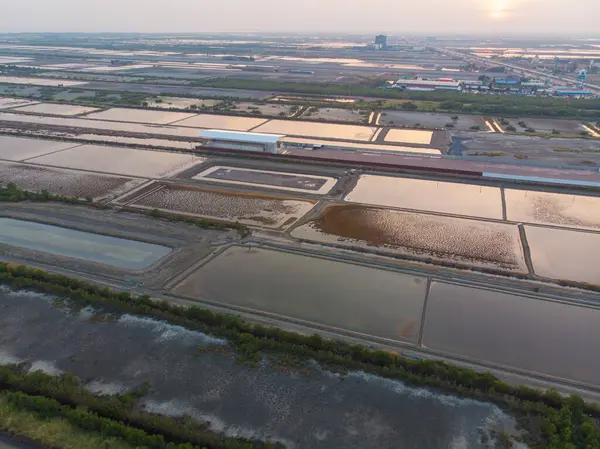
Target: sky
pixel 434 17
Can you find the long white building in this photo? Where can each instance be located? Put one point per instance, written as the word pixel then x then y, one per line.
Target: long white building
pixel 238 140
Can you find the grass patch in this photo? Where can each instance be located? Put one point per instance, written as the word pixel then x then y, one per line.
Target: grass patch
pixel 11 193
pixel 487 153
pixel 55 432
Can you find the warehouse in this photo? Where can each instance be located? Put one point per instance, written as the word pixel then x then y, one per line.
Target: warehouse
pixel 428 85
pixel 237 140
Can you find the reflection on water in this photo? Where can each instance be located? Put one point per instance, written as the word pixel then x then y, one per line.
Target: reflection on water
pixel 562 254
pixel 409 136
pixel 436 196
pixel 121 161
pixel 366 300
pixel 319 130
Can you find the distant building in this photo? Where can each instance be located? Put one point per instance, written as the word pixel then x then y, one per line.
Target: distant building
pixel 301 72
pixel 428 85
pixel 573 93
pixel 508 81
pixel 245 141
pixel 261 68
pixel 380 42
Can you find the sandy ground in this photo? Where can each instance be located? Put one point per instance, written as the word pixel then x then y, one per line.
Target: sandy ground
pixel 431 120
pixel 547 125
pixel 555 150
pixel 337 115
pixel 181 102
pixel 120 161
pixel 140 116
pixel 270 109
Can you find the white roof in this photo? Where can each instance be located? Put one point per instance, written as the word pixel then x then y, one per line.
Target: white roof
pixel 428 83
pixel 239 136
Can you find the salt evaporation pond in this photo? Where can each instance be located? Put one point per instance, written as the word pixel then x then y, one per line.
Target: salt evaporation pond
pixel 573 211
pixel 366 300
pixel 19 149
pixel 556 339
pixel 434 196
pixel 322 130
pixel 315 410
pixel 564 254
pixel 116 252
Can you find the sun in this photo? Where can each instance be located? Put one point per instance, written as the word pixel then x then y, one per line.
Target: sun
pixel 499 9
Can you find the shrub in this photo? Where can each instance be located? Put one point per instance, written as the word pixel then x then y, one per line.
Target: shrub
pixel 409 106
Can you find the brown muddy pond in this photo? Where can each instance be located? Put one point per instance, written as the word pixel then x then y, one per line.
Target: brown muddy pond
pixel 342 295
pixel 448 239
pixel 530 334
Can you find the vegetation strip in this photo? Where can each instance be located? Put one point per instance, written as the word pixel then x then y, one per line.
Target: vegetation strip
pixel 22 426
pixel 551 420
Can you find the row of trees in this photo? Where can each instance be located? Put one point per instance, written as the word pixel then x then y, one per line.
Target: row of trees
pixel 534 406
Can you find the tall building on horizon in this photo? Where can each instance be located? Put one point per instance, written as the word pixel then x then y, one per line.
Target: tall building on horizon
pixel 380 42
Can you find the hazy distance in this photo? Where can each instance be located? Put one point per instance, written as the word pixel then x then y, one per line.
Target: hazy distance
pixel 576 17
